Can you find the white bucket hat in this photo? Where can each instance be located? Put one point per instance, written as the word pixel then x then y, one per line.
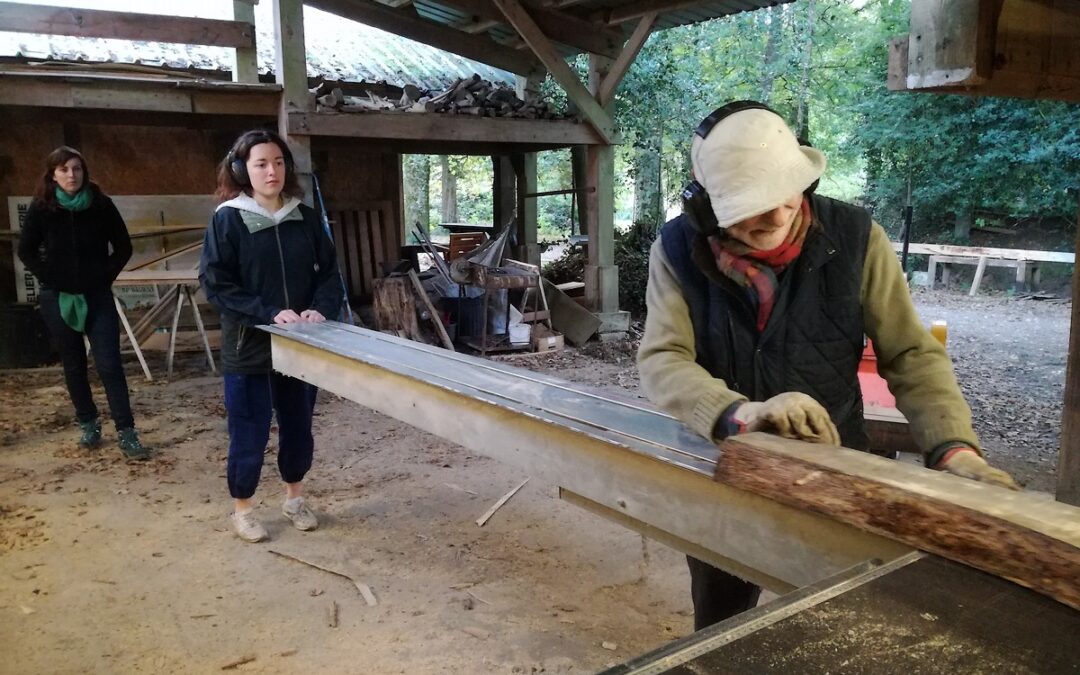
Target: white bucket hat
pixel 750 163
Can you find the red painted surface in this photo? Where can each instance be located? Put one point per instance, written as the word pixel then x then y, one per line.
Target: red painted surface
pixel 875 391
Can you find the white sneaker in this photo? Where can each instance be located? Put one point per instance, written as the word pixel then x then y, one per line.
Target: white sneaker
pixel 248 527
pixel 301 516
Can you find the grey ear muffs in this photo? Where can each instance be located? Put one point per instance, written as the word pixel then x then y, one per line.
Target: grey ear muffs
pixel 695 199
pixel 238 167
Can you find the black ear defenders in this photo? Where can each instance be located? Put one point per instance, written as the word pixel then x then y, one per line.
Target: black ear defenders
pixel 695 200
pixel 238 166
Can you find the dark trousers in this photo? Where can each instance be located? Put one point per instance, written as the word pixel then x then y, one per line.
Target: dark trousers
pixel 103 331
pixel 718 595
pixel 250 400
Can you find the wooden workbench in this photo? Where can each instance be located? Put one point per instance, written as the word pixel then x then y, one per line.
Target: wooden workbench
pixel 180 282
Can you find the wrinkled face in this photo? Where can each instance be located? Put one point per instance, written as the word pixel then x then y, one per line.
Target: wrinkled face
pixel 69 175
pixel 266 170
pixel 768 230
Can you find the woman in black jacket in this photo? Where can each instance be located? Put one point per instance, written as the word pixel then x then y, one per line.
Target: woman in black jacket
pixel 75 242
pixel 266 259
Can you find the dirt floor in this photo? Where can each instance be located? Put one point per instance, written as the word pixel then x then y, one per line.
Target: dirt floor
pixel 113 567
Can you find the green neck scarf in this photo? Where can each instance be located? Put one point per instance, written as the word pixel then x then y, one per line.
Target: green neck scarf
pixel 80 202
pixel 73 310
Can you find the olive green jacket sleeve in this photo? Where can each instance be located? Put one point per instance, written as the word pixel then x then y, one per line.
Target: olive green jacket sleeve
pixel 670 375
pixel 913 362
pixel 915 365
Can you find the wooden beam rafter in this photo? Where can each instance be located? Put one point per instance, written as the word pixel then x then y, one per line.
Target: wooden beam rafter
pixel 642 8
pixel 523 23
pixel 162 97
pixel 1013 48
pixel 566 28
pixel 622 64
pixel 407 24
pixel 473 27
pixel 20 18
pixel 452 128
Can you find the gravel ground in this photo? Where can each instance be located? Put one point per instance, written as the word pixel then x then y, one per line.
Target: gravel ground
pixel 1010 356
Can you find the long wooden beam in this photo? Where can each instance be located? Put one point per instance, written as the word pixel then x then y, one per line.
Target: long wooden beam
pixel 524 24
pixel 20 18
pixel 407 24
pixel 988 252
pixel 564 28
pixel 437 127
pixel 73 91
pixel 629 459
pixel 622 64
pixel 1033 542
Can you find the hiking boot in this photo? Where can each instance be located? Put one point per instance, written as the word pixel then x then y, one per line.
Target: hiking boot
pixel 301 516
pixel 91 434
pixel 247 526
pixel 131 446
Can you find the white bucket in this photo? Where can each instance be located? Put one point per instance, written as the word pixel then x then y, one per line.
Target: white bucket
pixel 520 333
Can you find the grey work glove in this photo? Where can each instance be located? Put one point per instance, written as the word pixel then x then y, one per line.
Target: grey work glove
pixel 791 415
pixel 967 463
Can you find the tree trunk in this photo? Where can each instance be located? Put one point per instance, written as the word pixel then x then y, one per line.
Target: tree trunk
pixel 962 229
pixel 773 36
pixel 802 117
pixel 449 191
pixel 647 184
pixel 416 176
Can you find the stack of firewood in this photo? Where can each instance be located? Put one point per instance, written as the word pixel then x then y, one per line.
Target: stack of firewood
pixel 468 96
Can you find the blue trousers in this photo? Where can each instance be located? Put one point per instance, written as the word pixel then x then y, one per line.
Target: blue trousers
pixel 250 401
pixel 103 331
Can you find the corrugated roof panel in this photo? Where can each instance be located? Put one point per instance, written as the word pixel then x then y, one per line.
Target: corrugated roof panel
pixel 340 49
pixel 337 49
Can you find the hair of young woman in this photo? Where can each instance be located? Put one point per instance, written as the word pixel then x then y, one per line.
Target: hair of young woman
pixel 232 177
pixel 45 190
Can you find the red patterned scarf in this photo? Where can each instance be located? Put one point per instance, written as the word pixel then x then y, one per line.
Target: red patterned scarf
pixel 756 270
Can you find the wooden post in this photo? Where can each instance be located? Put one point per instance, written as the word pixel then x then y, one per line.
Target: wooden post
pixel 1068 474
pixel 504 199
pixel 979 271
pixel 290 59
pixel 601 274
pixel 528 250
pixel 245 60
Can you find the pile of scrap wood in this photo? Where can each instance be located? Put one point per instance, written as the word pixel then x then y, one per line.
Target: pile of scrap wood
pixel 467 96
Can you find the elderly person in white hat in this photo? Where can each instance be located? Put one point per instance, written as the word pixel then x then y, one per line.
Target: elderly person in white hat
pixel 759 297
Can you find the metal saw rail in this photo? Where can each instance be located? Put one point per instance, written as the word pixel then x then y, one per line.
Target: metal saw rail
pixel 649 470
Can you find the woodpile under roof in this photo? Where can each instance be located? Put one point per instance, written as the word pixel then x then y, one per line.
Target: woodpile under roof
pixel 467 96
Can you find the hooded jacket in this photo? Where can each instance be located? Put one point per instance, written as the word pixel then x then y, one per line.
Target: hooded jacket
pixel 256 264
pixel 75 251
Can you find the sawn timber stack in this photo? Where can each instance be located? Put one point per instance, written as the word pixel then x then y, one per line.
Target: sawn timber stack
pixel 781 513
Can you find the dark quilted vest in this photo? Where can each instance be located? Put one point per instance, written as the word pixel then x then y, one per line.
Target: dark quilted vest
pixel 814 339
